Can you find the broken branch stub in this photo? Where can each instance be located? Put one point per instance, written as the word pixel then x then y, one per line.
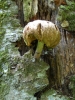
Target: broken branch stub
pixel 45 32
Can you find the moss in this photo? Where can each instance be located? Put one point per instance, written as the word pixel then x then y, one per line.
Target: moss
pixel 3 56
pixel 2 32
pixel 27 6
pixel 4 87
pixel 67 13
pixel 4 4
pixel 53 95
pixel 71 20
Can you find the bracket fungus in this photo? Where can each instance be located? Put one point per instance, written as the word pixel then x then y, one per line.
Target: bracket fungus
pixel 45 32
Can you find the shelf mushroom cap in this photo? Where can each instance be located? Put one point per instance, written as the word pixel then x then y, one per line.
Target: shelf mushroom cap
pixel 41 30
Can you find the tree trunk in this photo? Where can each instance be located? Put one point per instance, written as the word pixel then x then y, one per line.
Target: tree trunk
pixel 62 58
pixel 20 11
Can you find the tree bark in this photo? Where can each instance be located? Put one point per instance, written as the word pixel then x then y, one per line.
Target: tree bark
pixel 20 11
pixel 62 58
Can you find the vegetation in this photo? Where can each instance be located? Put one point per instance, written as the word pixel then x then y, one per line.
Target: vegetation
pixel 67 13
